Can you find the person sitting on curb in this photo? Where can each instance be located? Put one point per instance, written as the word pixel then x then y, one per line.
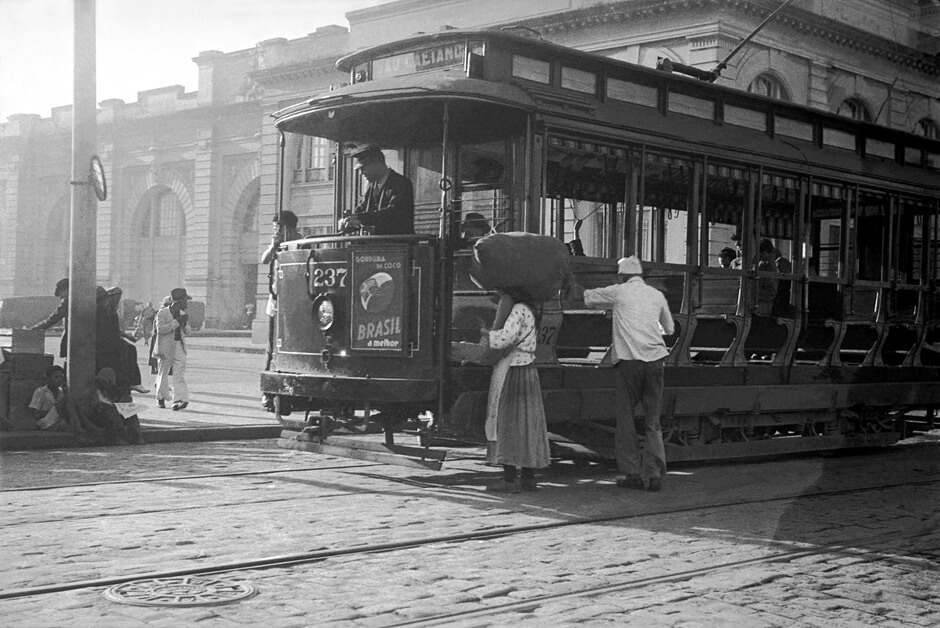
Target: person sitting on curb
pixel 43 408
pixel 95 413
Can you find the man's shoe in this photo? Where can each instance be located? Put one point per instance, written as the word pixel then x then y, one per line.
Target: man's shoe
pixel 161 403
pixel 655 485
pixel 140 389
pixel 180 405
pixel 631 481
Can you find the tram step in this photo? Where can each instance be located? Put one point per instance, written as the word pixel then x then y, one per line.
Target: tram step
pixel 401 455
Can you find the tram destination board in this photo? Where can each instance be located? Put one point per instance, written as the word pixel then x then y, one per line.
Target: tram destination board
pixel 379 301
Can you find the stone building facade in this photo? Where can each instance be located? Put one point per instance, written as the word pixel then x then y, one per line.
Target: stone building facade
pixel 194 175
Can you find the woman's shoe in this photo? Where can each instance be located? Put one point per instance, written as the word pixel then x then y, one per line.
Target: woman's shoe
pixel 161 403
pixel 502 486
pixel 529 485
pixel 140 389
pixel 180 405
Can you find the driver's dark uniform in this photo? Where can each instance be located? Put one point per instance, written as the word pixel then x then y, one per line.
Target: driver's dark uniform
pixel 389 207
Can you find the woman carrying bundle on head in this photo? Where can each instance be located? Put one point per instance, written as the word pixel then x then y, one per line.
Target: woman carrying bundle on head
pixel 516 428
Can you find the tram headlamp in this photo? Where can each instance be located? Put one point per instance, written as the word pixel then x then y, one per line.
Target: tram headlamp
pixel 324 312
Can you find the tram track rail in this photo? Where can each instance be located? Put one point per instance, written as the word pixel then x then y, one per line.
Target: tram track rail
pixel 301 558
pixel 531 604
pixel 179 478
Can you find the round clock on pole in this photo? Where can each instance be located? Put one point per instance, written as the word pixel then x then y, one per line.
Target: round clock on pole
pixel 98 180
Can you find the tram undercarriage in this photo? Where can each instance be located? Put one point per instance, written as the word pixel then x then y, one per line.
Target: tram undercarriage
pixel 744 421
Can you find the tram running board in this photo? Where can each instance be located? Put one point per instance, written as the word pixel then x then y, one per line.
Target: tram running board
pixel 347 447
pixel 729 451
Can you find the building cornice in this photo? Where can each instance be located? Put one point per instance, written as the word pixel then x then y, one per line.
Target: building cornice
pixel 296 71
pixel 798 20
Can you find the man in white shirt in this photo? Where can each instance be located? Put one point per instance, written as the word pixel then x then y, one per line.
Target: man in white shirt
pixel 640 319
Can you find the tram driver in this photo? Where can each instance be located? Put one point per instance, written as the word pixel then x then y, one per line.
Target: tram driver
pixel 388 206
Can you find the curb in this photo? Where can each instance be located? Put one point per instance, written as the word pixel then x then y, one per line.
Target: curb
pixel 258 350
pixel 27 440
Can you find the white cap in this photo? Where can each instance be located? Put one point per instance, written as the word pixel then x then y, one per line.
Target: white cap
pixel 629 266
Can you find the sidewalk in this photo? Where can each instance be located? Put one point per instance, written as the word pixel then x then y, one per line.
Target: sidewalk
pixel 232 412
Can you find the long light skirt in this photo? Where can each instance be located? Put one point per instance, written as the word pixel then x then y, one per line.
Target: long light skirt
pixel 521 431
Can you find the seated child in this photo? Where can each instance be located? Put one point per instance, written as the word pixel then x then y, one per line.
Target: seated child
pixel 45 399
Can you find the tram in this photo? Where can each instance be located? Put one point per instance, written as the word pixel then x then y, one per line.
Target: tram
pixel 615 159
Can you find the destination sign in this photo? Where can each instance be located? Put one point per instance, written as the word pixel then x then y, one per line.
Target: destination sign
pixel 419 60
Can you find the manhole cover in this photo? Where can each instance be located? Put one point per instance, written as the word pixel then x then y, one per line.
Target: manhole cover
pixel 179 591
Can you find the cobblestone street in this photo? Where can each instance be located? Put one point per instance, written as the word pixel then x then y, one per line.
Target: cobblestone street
pixel 835 540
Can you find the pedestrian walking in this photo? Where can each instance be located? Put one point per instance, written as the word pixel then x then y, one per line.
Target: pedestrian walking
pixel 143 326
pixel 171 329
pixel 640 319
pixel 516 429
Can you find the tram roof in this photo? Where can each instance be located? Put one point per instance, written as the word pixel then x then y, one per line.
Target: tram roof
pixel 416 98
pixel 512 39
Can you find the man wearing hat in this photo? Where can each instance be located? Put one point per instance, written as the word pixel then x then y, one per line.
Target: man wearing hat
pixel 640 319
pixel 285 228
pixel 172 325
pixel 60 314
pixel 389 204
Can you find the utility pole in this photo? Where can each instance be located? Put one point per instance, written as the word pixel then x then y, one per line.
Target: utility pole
pixel 83 257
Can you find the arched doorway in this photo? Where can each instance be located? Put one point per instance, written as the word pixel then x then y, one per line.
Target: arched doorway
pixel 248 254
pixel 161 264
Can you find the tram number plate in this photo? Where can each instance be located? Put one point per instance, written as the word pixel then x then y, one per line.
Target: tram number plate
pixel 329 275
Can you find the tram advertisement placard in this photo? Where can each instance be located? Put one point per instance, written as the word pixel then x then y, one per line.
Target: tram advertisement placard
pixel 379 291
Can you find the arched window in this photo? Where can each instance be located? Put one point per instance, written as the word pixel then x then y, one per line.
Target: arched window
pixel 927 128
pixel 854 108
pixel 164 217
pixel 769 85
pixel 250 218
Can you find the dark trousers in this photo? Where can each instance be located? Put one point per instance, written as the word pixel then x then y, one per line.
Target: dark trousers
pixel 640 382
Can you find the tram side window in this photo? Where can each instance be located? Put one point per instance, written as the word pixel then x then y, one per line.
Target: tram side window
pixel 826 204
pixel 913 255
pixel 778 206
pixel 725 200
pixel 826 237
pixel 584 183
pixel 871 236
pixel 485 179
pixel 423 167
pixel 667 193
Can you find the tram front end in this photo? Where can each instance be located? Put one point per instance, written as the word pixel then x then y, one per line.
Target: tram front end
pixel 354 349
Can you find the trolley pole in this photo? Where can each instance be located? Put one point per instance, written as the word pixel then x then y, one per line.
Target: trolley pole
pixel 84 210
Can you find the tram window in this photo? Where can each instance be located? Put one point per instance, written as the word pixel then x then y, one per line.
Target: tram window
pixel 779 202
pixel 424 170
pixel 485 177
pixel 827 203
pixel 667 184
pixel 532 69
pixel 725 200
pixel 913 238
pixel 871 236
pixel 584 183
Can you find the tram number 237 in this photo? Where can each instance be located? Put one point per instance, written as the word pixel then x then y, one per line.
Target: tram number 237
pixel 329 277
